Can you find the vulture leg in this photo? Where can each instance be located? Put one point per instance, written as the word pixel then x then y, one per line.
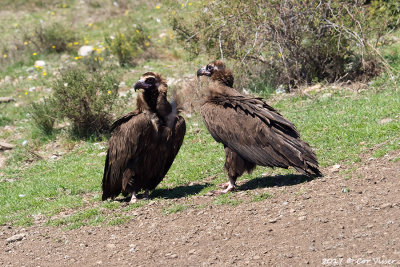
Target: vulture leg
pixel 133 198
pixel 235 165
pixel 146 194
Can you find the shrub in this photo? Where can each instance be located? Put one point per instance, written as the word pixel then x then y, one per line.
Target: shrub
pixel 54 37
pixel 128 46
pixel 44 115
pixel 87 100
pixel 291 41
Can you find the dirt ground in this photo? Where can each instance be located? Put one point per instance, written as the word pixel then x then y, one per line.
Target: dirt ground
pixel 327 221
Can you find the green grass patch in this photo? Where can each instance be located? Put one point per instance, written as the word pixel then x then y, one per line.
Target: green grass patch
pixel 175 209
pixel 119 219
pixel 226 199
pixel 337 125
pixel 396 159
pixel 80 218
pixel 262 196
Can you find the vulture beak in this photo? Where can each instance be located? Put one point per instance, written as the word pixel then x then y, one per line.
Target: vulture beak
pixel 141 85
pixel 202 71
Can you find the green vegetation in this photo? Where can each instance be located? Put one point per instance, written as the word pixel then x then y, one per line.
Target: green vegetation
pixel 53 38
pixel 175 209
pixel 54 175
pixel 261 197
pixel 128 46
pixel 290 42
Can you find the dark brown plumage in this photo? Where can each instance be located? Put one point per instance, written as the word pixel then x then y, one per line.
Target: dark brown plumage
pixel 144 143
pixel 252 132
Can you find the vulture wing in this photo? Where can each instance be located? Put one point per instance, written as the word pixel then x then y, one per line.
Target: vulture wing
pixel 177 139
pixel 132 133
pixel 123 119
pixel 258 133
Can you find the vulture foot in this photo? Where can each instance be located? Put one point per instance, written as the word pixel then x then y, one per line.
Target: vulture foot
pixel 133 198
pixel 229 186
pixel 223 185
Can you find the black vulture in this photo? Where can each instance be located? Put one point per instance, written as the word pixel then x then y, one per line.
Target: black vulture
pixel 252 132
pixel 144 143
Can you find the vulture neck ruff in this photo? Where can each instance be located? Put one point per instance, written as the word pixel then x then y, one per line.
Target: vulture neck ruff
pixel 223 76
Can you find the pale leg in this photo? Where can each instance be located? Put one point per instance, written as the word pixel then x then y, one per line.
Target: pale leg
pixel 133 198
pixel 231 185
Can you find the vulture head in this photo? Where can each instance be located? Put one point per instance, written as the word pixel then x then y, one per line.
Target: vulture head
pixel 150 81
pixel 217 71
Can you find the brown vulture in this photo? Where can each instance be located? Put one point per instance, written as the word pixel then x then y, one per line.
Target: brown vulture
pixel 252 132
pixel 144 142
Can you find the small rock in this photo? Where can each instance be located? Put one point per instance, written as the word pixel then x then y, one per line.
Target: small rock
pixel 14 238
pixel 274 220
pixel 335 168
pixel 6 99
pixel 101 154
pixel 369 226
pixel 345 190
pixel 386 205
pixel 256 257
pixel 192 251
pixel 40 63
pixel 25 142
pixel 32 89
pixel 281 89
pixel 85 50
pixel 6 146
pixel 173 256
pixel 302 218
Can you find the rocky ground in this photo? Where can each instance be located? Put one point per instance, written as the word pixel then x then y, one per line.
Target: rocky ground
pixel 327 221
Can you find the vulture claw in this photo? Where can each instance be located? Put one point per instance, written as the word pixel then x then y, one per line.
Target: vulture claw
pixel 223 185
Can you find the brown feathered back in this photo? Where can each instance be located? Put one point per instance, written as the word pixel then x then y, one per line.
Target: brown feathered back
pixel 144 143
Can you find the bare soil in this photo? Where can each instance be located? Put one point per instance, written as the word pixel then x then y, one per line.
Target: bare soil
pixel 326 221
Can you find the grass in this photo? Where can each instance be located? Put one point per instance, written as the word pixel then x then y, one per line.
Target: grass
pixel 175 209
pixel 261 197
pixel 340 124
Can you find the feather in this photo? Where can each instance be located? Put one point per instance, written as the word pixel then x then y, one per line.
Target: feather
pixel 252 132
pixel 144 143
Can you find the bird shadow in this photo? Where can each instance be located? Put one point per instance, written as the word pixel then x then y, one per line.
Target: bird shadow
pixel 179 191
pixel 255 183
pixel 272 181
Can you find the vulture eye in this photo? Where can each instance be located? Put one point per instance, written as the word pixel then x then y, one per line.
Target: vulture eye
pixel 209 67
pixel 150 80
